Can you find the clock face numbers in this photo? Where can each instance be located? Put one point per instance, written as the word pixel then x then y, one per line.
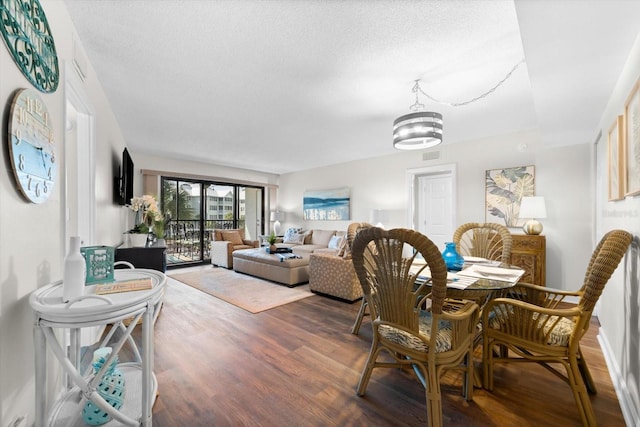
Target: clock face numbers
pixel 31 146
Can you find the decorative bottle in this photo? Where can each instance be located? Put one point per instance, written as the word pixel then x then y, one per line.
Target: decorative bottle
pixel 452 258
pixel 111 388
pixel 74 271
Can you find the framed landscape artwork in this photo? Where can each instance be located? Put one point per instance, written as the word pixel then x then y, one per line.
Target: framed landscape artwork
pixel 616 166
pixel 326 205
pixel 632 141
pixel 504 188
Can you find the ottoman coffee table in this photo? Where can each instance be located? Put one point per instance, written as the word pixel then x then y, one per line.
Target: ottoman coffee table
pixel 257 262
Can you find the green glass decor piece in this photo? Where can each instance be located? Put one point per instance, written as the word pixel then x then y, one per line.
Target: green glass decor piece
pixel 26 33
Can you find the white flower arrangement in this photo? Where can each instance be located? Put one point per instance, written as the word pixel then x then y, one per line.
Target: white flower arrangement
pixel 148 215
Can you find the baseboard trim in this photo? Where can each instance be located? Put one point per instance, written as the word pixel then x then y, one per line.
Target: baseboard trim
pixel 629 410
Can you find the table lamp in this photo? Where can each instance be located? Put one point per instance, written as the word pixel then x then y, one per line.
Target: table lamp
pixel 532 207
pixel 379 217
pixel 276 217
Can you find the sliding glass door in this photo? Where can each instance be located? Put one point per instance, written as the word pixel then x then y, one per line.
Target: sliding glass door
pixel 196 208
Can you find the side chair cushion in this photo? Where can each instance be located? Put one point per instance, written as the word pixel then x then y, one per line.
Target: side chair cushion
pixel 443 339
pixel 558 331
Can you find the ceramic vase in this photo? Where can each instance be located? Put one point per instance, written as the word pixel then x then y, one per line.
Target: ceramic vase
pixel 74 271
pixel 111 388
pixel 138 240
pixel 452 258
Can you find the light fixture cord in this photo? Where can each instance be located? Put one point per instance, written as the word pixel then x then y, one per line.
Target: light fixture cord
pixel 417 89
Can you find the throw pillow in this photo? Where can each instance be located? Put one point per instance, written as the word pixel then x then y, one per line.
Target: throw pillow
pixel 295 239
pixel 335 242
pixel 233 237
pixel 322 237
pixel 290 232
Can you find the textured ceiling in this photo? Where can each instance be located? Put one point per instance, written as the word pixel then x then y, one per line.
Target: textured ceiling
pixel 281 86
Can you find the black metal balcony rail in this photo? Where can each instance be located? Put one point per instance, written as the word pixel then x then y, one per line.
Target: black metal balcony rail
pixel 187 242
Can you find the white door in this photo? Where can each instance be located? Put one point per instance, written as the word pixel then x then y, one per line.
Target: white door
pixel 79 175
pixel 253 212
pixel 433 207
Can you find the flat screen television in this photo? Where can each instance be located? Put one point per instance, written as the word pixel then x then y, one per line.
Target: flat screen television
pixel 125 181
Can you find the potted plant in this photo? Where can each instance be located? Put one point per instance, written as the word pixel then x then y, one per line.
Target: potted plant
pixel 148 219
pixel 272 239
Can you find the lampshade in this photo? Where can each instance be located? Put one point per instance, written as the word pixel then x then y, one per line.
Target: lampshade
pixel 277 216
pixel 417 130
pixel 379 217
pixel 532 207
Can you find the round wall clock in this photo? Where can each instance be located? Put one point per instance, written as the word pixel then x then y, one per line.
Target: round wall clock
pixel 26 33
pixel 31 148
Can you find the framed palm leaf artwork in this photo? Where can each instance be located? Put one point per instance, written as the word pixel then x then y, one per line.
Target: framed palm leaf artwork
pixel 504 189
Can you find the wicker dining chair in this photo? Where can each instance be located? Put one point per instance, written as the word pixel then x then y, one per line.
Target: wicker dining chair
pixel 484 240
pixel 415 324
pixel 352 230
pixel 538 325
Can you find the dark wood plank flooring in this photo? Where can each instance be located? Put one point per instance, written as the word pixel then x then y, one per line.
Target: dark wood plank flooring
pixel 298 365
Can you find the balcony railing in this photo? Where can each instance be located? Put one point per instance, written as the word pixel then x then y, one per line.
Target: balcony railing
pixel 186 242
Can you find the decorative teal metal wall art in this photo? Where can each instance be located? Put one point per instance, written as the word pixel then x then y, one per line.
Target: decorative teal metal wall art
pixel 28 37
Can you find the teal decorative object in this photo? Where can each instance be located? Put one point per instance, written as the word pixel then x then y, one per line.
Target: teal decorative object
pixel 26 33
pixel 452 258
pixel 99 261
pixel 111 388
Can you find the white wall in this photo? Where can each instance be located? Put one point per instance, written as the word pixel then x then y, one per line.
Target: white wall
pixel 157 163
pixel 31 236
pixel 619 311
pixel 563 176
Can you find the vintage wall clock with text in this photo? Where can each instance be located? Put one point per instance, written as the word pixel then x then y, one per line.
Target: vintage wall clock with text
pixel 31 149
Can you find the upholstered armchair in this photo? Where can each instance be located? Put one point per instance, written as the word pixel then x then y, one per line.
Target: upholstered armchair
pixel 225 242
pixel 333 275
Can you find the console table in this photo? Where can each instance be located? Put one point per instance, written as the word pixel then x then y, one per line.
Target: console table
pixel 153 257
pixel 88 310
pixel 529 253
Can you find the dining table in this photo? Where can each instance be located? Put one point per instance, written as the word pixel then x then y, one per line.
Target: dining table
pixel 480 280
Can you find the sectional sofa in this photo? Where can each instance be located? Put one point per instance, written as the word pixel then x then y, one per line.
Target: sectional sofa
pixel 313 241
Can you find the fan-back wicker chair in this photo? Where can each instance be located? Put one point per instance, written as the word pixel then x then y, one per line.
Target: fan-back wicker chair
pixel 352 230
pixel 484 240
pixel 537 325
pixel 415 324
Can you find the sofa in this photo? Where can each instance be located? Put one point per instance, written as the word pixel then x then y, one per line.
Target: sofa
pixel 225 242
pixel 313 241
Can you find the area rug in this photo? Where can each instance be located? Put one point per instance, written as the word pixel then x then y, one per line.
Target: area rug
pixel 247 292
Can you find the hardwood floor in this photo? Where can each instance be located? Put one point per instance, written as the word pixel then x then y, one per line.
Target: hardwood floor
pixel 298 365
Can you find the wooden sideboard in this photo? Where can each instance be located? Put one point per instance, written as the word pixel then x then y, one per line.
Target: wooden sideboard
pixel 529 252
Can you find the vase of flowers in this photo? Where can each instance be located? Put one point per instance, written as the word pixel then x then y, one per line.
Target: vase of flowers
pixel 149 221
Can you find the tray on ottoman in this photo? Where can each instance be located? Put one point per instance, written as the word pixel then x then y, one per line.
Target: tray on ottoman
pixel 278 251
pixel 260 263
